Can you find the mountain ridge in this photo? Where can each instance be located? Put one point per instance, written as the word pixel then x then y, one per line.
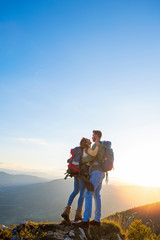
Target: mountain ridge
pixel 149 214
pixel 9 180
pixel 46 201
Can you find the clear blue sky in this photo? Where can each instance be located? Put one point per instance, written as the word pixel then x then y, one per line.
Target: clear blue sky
pixel 68 67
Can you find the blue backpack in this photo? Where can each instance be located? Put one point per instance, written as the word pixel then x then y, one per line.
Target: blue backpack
pixel 107 156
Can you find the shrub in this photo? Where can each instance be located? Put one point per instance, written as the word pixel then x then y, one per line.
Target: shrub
pixel 139 231
pixel 30 231
pixel 6 233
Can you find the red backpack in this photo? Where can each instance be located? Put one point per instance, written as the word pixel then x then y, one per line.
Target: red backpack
pixel 74 162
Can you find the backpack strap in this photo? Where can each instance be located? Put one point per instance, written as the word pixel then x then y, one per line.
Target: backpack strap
pixel 98 158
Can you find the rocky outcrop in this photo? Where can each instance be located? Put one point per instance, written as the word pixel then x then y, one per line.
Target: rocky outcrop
pixel 62 231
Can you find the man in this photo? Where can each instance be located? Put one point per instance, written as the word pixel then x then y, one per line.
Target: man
pixel 97 176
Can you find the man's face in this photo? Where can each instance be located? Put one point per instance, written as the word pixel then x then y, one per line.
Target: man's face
pixel 94 137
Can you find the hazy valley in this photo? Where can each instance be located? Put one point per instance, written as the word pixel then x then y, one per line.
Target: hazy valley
pixel 46 201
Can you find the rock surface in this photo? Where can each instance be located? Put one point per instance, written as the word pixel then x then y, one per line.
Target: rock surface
pixel 63 231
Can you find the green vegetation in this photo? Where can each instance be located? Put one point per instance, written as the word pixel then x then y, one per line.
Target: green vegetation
pixel 30 231
pixel 149 214
pixel 109 229
pixel 54 231
pixel 6 233
pixel 139 231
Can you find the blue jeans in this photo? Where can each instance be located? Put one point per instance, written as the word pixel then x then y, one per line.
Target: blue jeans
pixel 78 187
pixel 96 179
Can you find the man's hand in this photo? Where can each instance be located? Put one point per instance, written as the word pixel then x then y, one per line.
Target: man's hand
pixel 97 144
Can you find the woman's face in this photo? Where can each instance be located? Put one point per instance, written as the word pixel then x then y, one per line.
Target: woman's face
pixel 88 141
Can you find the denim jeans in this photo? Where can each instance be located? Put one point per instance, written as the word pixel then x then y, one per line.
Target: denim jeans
pixel 96 179
pixel 78 187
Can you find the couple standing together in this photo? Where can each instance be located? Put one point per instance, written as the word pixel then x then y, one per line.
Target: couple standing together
pixel 90 157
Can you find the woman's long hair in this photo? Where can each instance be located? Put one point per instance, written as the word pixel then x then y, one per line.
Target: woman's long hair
pixel 83 143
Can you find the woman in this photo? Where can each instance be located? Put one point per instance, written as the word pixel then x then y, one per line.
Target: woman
pixel 79 186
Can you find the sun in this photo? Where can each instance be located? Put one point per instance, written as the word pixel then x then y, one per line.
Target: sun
pixel 138 162
pixel 147 181
pixel 138 174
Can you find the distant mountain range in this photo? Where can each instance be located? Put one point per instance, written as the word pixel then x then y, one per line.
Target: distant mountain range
pixel 46 201
pixel 42 174
pixel 10 180
pixel 150 215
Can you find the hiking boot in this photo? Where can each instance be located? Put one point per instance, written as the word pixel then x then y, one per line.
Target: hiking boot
pixel 81 224
pixel 95 223
pixel 66 213
pixel 78 215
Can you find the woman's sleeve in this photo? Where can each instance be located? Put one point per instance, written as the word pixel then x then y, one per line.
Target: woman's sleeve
pixel 94 152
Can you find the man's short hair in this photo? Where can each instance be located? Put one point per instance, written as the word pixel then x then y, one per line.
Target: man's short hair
pixel 98 133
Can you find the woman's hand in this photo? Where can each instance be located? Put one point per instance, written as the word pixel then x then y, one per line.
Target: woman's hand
pixel 86 150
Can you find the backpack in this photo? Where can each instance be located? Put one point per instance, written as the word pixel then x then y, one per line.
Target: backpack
pixel 107 156
pixel 74 162
pixel 75 168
